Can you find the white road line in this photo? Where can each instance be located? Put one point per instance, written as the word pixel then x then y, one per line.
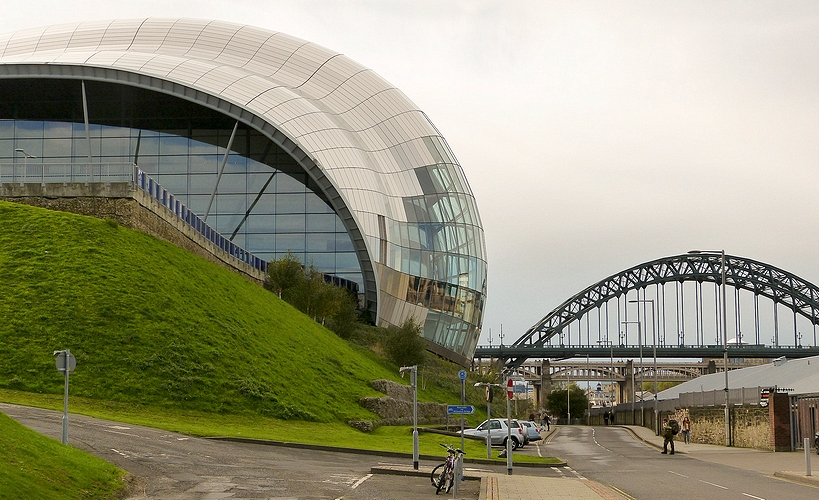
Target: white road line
pixel 677 473
pixel 357 483
pixel 749 495
pixel 712 484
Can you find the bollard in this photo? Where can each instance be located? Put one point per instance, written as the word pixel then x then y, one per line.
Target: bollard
pixel 807 456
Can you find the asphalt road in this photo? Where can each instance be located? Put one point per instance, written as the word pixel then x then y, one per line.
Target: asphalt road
pixel 613 457
pixel 172 466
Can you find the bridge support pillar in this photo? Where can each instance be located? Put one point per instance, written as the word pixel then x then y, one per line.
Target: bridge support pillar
pixel 626 388
pixel 545 383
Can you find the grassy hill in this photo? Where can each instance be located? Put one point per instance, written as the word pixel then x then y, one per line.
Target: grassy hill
pixel 34 466
pixel 150 324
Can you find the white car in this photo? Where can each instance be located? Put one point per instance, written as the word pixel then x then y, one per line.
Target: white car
pixel 499 432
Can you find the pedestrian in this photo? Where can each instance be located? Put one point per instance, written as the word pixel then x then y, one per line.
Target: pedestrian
pixel 670 429
pixel 548 420
pixel 611 417
pixel 606 417
pixel 686 430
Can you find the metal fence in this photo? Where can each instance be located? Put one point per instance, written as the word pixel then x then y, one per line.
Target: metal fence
pixel 43 173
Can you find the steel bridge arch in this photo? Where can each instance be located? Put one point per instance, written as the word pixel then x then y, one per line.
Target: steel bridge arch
pixel 779 285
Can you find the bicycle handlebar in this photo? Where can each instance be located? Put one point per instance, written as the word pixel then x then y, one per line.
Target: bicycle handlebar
pixel 452 450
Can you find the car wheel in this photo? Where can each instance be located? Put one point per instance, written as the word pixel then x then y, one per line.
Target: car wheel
pixel 515 444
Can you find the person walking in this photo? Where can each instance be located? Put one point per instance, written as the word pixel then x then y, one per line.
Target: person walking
pixel 670 428
pixel 686 430
pixel 606 417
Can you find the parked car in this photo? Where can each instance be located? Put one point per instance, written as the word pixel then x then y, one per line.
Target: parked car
pixel 499 432
pixel 532 429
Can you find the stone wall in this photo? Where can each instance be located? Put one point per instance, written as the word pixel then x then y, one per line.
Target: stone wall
pixel 396 407
pixel 749 426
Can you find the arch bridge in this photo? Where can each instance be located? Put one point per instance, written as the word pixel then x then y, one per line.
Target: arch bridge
pixel 663 308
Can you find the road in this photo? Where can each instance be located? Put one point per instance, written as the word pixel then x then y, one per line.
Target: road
pixel 172 466
pixel 612 456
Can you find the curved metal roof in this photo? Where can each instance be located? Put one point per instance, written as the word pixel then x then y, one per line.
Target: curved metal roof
pixel 339 119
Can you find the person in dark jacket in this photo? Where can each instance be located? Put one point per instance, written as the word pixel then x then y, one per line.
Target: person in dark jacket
pixel 670 428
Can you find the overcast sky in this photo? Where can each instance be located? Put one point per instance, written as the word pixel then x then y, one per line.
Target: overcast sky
pixel 595 135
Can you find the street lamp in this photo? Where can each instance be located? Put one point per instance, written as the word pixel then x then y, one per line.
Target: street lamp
pixel 611 367
pixel 26 156
pixel 654 346
pixel 633 392
pixel 414 382
pixel 488 414
pixel 724 342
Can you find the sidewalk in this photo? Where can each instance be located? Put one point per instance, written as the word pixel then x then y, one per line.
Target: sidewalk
pixel 786 465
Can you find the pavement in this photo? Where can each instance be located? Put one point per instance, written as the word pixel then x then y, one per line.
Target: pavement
pixel 790 466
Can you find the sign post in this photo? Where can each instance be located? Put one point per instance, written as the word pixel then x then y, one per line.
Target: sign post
pixel 462 376
pixel 510 393
pixel 66 363
pixel 489 420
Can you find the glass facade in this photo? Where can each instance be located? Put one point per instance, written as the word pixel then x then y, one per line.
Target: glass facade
pixel 257 205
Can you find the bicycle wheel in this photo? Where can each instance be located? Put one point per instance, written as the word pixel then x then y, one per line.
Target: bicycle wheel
pixel 443 478
pixel 436 474
pixel 450 479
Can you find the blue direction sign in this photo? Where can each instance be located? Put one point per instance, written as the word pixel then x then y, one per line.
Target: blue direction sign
pixel 462 375
pixel 460 409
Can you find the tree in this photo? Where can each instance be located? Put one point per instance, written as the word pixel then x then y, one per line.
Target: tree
pixel 284 276
pixel 405 345
pixel 557 399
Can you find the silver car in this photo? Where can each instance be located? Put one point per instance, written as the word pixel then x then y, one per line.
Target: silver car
pixel 532 429
pixel 499 432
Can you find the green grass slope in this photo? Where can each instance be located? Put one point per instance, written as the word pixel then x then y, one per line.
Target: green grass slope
pixel 151 324
pixel 34 466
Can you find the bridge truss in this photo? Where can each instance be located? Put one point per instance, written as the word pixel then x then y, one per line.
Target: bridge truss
pixel 782 288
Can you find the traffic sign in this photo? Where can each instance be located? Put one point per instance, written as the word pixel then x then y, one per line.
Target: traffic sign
pixel 62 356
pixel 460 409
pixel 462 375
pixel 510 388
pixel 488 393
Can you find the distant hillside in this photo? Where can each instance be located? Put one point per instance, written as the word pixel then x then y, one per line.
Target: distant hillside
pixel 152 324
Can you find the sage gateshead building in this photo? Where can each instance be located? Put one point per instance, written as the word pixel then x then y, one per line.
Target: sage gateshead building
pixel 279 144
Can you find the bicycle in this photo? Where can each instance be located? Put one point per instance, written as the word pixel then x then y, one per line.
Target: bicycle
pixel 443 476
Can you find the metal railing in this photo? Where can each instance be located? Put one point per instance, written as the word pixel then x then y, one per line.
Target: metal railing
pixel 43 173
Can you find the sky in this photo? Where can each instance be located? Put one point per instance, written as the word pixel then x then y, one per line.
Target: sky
pixel 595 135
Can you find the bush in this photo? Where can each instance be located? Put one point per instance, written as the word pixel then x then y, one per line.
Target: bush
pixel 405 346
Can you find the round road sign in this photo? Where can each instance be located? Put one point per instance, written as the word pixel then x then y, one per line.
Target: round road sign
pixel 510 388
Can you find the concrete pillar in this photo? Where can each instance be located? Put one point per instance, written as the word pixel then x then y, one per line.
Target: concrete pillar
pixel 626 387
pixel 545 382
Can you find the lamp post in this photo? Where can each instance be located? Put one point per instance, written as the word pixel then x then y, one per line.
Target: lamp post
pixel 488 415
pixel 634 394
pixel 414 382
pixel 724 342
pixel 26 156
pixel 654 346
pixel 611 365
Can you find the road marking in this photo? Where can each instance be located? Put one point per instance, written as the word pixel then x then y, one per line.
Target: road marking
pixel 677 473
pixel 119 453
pixel 749 495
pixel 358 483
pixel 120 427
pixel 712 484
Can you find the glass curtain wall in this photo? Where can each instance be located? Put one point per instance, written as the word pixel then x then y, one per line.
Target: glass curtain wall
pixel 263 201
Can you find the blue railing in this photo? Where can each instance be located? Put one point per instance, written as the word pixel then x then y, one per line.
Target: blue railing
pixel 169 201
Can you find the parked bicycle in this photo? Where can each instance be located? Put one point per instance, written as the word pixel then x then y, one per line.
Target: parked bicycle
pixel 443 476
